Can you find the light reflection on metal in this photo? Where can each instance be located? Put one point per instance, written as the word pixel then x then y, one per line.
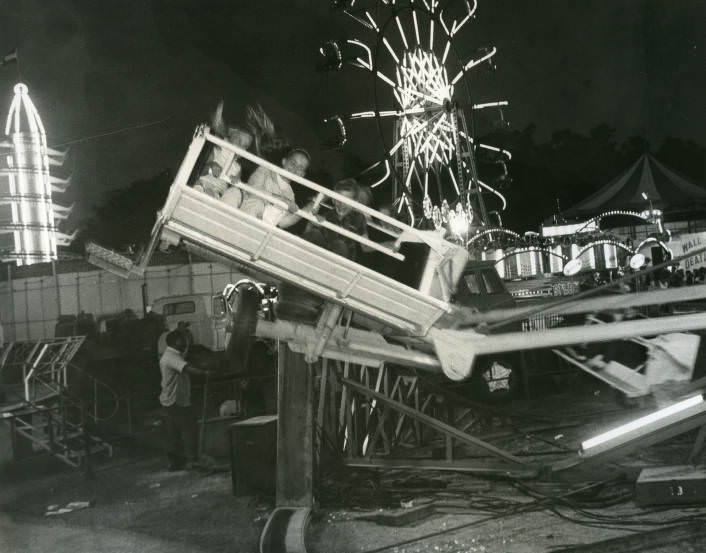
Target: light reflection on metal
pixel 27 213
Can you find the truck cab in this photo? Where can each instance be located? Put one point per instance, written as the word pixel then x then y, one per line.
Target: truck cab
pixel 481 287
pixel 205 316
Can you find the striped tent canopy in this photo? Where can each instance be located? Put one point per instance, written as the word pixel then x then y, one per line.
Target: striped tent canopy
pixel 666 189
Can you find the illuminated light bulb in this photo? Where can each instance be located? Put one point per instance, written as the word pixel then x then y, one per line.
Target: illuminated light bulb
pixel 445 210
pixel 458 221
pixel 427 206
pixel 436 217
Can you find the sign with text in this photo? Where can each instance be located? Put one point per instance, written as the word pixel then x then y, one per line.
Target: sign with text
pixel 686 243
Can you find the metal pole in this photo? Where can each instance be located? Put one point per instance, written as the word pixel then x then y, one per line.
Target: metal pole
pixel 27 308
pixel 78 293
pixel 41 306
pixel 191 274
pixel 95 399
pixel 11 292
pixel 56 287
pixel 100 292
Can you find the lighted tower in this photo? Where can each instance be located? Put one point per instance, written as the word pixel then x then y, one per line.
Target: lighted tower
pixel 28 232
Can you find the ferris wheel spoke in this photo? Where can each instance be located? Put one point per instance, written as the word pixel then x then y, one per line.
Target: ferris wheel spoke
pixel 359 20
pixel 490 105
pixel 416 28
pixel 498 194
pixel 471 7
pixel 363 63
pixel 408 176
pixel 447 48
pixel 390 50
pixel 402 35
pixel 384 177
pixel 507 154
pixel 472 63
pixel 374 25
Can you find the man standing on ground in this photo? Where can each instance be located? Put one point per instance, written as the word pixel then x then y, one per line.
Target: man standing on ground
pixel 176 401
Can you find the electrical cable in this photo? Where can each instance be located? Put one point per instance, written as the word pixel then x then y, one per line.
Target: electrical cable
pixel 525 507
pixel 111 133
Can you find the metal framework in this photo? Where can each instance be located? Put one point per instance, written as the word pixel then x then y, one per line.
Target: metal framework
pixel 367 406
pixel 44 416
pixel 419 76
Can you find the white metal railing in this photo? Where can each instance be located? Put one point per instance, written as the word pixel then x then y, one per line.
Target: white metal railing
pixel 43 363
pixel 310 216
pixel 373 217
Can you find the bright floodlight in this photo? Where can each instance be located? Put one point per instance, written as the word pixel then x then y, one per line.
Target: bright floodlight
pixel 622 434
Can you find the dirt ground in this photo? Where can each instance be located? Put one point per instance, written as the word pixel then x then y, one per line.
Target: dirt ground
pixel 138 506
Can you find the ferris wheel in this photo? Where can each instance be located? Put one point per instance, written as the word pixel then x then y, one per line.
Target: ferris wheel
pixel 421 98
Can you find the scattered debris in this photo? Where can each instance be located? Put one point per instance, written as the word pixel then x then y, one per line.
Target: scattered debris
pixel 53 510
pixel 406 516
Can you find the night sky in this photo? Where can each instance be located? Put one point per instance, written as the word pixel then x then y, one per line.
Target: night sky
pixel 95 67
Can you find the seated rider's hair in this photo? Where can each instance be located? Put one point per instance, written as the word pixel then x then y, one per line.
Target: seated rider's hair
pixel 347 185
pixel 289 152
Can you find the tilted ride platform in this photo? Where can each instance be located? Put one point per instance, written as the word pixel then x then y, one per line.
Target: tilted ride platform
pixel 209 226
pixel 417 327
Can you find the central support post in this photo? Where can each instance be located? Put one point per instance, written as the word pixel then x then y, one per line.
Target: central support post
pixel 285 531
pixel 295 436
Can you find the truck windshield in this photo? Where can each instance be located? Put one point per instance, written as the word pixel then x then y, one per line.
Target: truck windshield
pixel 492 282
pixel 179 308
pixel 472 283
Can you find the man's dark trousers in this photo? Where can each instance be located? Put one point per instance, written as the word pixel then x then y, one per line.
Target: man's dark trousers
pixel 181 436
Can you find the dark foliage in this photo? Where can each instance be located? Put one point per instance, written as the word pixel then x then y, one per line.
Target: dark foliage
pixel 126 217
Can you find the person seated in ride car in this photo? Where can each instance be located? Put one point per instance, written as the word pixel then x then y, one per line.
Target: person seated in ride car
pixel 222 169
pixel 295 160
pixel 342 215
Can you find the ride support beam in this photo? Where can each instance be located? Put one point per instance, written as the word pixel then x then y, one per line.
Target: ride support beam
pixel 295 436
pixel 458 349
pixel 464 316
pixel 358 346
pixel 436 424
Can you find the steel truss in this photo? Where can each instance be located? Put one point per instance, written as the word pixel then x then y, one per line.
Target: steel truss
pixel 381 415
pixel 44 415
